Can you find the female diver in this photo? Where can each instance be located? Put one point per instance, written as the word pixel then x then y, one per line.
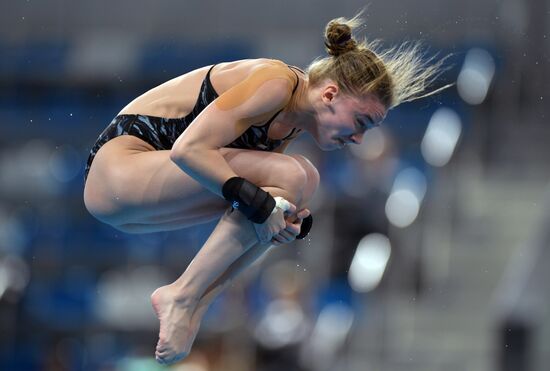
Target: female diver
pixel 170 160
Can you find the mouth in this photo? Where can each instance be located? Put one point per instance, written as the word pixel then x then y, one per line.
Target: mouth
pixel 340 142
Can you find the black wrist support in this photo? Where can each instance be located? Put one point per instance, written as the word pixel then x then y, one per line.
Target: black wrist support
pixel 255 203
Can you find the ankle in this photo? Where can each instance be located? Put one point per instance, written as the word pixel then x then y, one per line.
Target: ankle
pixel 184 294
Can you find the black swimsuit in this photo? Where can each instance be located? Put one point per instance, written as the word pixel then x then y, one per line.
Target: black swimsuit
pixel 161 132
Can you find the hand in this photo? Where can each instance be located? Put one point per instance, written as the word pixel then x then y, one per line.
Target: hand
pixel 274 224
pixel 292 229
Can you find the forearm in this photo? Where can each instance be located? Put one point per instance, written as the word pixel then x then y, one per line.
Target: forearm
pixel 206 166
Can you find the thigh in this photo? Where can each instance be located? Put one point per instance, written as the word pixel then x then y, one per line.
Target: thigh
pixel 130 183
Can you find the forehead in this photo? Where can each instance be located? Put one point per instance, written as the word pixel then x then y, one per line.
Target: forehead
pixel 368 105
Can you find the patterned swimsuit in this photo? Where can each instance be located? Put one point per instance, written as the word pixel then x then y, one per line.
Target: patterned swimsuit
pixel 161 132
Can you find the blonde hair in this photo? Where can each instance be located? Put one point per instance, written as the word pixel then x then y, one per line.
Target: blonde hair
pixel 396 75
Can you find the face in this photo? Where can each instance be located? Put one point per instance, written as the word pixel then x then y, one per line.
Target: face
pixel 342 119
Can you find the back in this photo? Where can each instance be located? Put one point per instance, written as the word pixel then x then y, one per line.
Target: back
pixel 177 97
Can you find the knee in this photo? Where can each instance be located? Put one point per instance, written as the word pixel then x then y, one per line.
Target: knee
pixel 99 207
pixel 312 176
pixel 287 174
pixel 292 177
pixel 101 201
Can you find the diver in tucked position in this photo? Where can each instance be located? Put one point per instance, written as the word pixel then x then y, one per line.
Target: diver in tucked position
pixel 170 160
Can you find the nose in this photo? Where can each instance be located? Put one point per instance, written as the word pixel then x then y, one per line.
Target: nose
pixel 356 138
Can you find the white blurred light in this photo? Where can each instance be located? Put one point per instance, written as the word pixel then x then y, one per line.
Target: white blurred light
pixel 476 76
pixel 402 208
pixel 413 180
pixel 334 323
pixel 4 281
pixel 369 262
pixel 441 137
pixel 282 324
pixel 123 297
pixel 328 335
pixel 12 233
pixel 374 144
pixel 407 193
pixel 14 274
pixel 96 56
pixel 25 171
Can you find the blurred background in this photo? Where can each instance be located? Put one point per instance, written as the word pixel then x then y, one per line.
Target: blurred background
pixel 431 240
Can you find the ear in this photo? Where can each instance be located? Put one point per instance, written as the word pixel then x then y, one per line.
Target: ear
pixel 329 92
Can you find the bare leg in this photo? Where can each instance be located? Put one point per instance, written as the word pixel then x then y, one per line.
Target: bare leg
pixel 163 197
pixel 176 303
pixel 243 262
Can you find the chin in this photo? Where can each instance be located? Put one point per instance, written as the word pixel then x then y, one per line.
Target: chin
pixel 327 147
pixel 323 146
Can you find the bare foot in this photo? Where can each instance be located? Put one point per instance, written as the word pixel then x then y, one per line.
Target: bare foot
pixel 176 333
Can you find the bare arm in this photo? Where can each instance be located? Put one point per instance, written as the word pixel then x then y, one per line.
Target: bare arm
pixel 253 100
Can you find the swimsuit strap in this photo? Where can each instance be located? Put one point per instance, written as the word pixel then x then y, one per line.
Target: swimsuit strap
pixel 281 110
pixel 208 82
pixel 292 68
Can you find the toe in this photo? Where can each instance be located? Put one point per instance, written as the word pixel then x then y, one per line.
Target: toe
pixel 163 357
pixel 168 360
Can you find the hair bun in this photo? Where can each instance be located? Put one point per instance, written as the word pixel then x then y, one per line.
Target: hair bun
pixel 338 38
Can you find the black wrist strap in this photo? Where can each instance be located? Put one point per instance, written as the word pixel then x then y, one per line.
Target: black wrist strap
pixel 255 203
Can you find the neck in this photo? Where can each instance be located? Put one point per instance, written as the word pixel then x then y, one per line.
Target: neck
pixel 302 114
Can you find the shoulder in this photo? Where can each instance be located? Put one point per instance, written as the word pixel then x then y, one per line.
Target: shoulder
pixel 276 78
pixel 254 72
pixel 273 69
pixel 267 80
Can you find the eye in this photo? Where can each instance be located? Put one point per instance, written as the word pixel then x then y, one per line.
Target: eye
pixel 363 125
pixel 366 124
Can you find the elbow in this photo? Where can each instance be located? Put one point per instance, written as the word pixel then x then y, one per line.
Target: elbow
pixel 183 154
pixel 179 154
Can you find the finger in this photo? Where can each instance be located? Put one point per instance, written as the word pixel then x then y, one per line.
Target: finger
pixel 285 234
pixel 299 216
pixel 277 239
pixel 291 209
pixel 282 203
pixel 274 242
pixel 304 213
pixel 282 240
pixel 288 235
pixel 266 237
pixel 293 228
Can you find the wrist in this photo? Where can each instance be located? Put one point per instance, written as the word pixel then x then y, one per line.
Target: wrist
pixel 255 203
